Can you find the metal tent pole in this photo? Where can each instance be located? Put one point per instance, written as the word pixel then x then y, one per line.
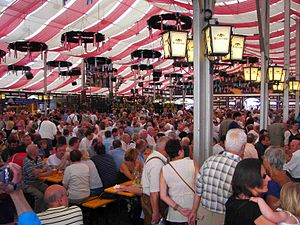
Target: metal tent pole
pixel 297 64
pixel 83 79
pixel 287 6
pixel 45 81
pixel 202 86
pixel 263 15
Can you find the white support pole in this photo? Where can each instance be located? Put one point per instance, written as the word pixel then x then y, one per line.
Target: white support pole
pixel 297 64
pixel 263 15
pixel 287 6
pixel 203 94
pixel 83 79
pixel 45 81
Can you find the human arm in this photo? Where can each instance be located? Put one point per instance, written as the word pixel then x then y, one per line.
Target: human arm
pixel 154 200
pixel 268 213
pixel 272 201
pixel 192 216
pixel 167 199
pixel 125 170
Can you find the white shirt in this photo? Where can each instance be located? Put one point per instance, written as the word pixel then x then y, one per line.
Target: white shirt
pixel 85 144
pixel 47 129
pixel 293 166
pixel 151 172
pixel 217 148
pixel 53 160
pixel 95 180
pixel 72 118
pixel 77 180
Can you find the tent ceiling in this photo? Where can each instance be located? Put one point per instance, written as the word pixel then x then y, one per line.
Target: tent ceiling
pixel 124 23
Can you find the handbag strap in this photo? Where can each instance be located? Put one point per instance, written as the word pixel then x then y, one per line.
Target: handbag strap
pixel 182 178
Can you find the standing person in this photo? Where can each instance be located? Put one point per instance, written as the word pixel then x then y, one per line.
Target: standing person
pixel 48 130
pixel 276 132
pixel 291 132
pixel 249 180
pixel 153 207
pixel 59 212
pixel 274 160
pixel 293 165
pixel 176 183
pixel 224 125
pixel 214 180
pixel 261 146
pixel 289 202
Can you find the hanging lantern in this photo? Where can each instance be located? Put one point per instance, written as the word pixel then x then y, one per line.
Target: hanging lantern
pixel 275 73
pixel 218 40
pixel 40 97
pixel 250 73
pixel 174 44
pixel 46 97
pixel 294 85
pixel 236 49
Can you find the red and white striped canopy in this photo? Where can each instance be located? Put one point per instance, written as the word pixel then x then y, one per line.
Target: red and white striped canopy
pixel 124 23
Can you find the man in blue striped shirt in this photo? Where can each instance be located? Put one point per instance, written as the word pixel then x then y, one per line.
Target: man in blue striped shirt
pixel 32 169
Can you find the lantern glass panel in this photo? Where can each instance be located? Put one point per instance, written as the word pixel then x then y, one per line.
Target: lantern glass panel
pixel 283 76
pixel 277 73
pixel 237 47
pixel 190 50
pixel 294 85
pixel 220 39
pixel 178 44
pixel 208 41
pixel 280 86
pixel 254 71
pixel 247 73
pixel 166 45
pixel 258 78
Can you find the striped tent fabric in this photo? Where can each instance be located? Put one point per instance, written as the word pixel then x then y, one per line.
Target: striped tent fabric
pixel 124 24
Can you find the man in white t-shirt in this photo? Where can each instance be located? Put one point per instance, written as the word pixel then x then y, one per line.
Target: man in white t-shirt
pixel 48 131
pixel 86 142
pixel 59 159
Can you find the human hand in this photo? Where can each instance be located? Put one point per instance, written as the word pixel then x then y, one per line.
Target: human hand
pixel 192 218
pixel 17 172
pixel 185 211
pixel 155 218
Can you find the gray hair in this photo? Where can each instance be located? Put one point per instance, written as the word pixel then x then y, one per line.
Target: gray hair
pixel 276 157
pixel 161 142
pixel 235 140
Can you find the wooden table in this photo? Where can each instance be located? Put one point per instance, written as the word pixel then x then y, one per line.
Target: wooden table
pixel 57 178
pixel 131 189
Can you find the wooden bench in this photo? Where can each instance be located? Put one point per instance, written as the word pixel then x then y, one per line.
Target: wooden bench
pixel 96 202
pixel 90 208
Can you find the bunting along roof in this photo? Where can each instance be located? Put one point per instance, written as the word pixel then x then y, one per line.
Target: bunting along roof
pixel 124 23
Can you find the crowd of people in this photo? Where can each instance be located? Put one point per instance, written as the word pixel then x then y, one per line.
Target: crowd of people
pixel 251 177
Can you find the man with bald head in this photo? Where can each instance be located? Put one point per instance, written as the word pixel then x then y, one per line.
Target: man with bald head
pixel 58 211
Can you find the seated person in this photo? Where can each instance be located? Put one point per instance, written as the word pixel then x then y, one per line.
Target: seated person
pixel 58 211
pixel 77 179
pixel 132 167
pixel 44 152
pixel 32 170
pixel 59 159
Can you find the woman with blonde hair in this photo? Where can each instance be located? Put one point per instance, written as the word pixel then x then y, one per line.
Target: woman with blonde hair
pixel 289 213
pixel 132 166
